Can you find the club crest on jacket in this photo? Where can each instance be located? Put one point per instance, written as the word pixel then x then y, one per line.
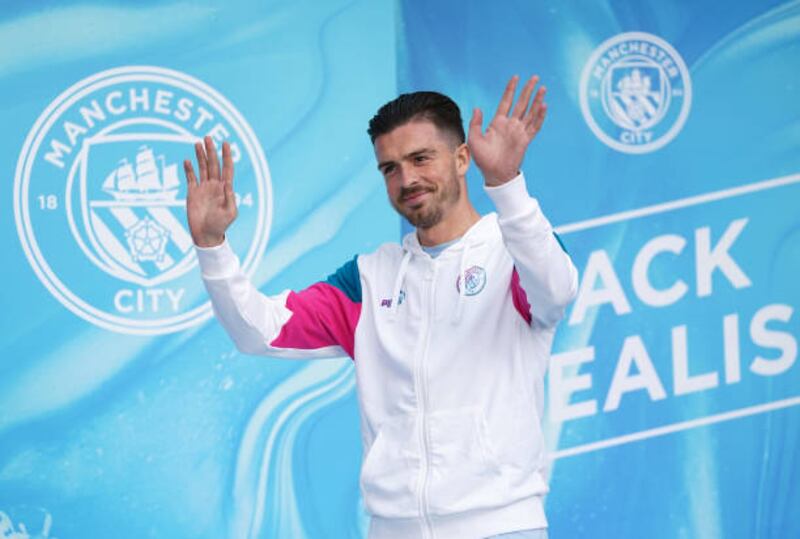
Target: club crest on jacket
pixel 474 279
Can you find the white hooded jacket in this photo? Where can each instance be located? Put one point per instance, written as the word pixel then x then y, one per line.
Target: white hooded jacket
pixel 450 354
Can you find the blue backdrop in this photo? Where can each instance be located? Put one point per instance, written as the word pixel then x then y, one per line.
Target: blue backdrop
pixel 669 161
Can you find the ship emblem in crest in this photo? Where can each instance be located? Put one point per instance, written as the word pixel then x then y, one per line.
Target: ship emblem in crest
pixel 635 97
pixel 147 181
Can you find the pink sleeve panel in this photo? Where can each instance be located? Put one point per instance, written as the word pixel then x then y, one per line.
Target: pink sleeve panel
pixel 520 298
pixel 322 316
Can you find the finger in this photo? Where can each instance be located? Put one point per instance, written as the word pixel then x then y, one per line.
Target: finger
pixel 535 109
pixel 213 162
pixel 508 97
pixel 202 163
pixel 230 198
pixel 537 124
pixel 227 163
pixel 227 174
pixel 191 180
pixel 524 97
pixel 476 123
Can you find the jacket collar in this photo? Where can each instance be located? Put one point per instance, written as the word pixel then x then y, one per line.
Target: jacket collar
pixel 482 231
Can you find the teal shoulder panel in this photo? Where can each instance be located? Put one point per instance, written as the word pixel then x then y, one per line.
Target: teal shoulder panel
pixel 348 280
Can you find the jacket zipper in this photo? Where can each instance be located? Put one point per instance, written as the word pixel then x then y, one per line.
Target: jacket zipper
pixel 423 398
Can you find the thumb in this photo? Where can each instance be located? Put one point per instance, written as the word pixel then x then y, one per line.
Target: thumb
pixel 476 123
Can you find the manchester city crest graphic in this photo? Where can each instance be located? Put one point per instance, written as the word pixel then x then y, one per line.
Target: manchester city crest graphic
pixel 635 92
pixel 100 197
pixel 474 281
pixel 132 216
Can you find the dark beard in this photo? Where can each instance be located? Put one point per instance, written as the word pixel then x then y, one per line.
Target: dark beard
pixel 431 216
pixel 426 219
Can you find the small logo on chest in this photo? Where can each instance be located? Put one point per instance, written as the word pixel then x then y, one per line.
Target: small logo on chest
pixel 387 302
pixel 474 281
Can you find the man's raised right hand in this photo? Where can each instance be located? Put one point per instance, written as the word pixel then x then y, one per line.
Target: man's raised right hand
pixel 210 203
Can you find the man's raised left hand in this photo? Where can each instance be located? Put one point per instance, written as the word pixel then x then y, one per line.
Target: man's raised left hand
pixel 499 151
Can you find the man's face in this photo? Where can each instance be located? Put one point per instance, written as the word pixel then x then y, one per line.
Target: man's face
pixel 422 168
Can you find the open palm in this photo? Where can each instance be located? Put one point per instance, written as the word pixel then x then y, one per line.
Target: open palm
pixel 210 203
pixel 499 150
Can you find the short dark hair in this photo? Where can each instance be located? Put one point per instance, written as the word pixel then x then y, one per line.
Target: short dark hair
pixel 432 106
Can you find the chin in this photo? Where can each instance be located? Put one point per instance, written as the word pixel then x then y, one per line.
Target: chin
pixel 425 220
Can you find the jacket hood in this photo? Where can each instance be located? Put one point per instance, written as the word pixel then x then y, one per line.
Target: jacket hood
pixel 478 234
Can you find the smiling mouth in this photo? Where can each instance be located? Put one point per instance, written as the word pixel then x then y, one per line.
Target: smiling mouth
pixel 414 198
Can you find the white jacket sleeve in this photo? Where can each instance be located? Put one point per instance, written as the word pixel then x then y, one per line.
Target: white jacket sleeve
pixel 251 319
pixel 546 272
pixel 317 322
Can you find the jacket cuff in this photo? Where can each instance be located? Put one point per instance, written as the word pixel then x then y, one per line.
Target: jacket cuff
pixel 218 262
pixel 511 199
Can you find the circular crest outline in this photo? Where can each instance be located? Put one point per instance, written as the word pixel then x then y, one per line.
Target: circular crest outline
pixel 476 289
pixel 30 150
pixel 586 112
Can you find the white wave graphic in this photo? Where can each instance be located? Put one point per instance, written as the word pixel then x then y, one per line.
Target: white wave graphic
pixel 263 482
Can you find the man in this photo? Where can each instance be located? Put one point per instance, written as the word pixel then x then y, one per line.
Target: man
pixel 450 331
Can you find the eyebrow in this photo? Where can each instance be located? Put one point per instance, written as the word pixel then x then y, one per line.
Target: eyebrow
pixel 415 153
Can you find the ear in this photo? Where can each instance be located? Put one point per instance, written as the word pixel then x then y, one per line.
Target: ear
pixel 462 159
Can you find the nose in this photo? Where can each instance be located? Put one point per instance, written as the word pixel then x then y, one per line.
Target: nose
pixel 407 176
